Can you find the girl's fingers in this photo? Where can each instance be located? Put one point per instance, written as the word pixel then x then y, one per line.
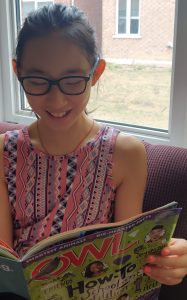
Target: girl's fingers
pixel 165 276
pixel 171 266
pixel 169 261
pixel 175 247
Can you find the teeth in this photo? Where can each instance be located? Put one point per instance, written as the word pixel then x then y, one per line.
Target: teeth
pixel 59 115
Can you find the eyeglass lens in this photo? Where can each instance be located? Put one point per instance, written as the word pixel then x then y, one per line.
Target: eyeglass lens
pixel 69 85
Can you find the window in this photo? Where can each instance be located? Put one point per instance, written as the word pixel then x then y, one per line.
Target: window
pixel 128 17
pixel 175 131
pixel 27 6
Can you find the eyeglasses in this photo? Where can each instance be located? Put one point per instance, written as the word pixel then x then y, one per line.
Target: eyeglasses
pixel 69 85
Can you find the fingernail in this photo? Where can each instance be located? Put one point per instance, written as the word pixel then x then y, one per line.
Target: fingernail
pixel 166 251
pixel 147 269
pixel 151 259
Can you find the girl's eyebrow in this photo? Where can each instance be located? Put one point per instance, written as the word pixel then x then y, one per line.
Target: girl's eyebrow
pixel 35 71
pixel 67 72
pixel 78 70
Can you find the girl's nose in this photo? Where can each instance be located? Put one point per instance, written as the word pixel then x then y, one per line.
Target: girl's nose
pixel 56 96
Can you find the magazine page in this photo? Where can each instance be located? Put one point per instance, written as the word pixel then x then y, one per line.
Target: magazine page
pixel 102 265
pixel 12 279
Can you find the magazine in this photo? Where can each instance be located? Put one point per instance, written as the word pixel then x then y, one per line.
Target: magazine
pixel 95 262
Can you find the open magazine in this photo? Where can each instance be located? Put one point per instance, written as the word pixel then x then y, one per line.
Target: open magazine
pixel 96 262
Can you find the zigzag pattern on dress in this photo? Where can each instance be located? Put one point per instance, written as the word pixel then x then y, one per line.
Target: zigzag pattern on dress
pixel 91 206
pixel 11 148
pixel 30 185
pixel 71 172
pixel 88 185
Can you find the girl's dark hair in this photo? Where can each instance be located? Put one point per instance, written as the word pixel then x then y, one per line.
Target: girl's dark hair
pixel 70 20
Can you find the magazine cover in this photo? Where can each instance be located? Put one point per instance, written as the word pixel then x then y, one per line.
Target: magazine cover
pixel 94 263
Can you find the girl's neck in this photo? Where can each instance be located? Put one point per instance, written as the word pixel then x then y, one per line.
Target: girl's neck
pixel 60 142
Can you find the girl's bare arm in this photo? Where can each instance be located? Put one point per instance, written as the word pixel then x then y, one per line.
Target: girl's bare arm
pixel 130 174
pixel 6 230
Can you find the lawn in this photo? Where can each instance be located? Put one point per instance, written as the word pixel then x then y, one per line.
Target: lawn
pixel 133 94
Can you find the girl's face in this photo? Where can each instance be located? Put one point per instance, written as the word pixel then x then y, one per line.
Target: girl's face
pixel 53 57
pixel 156 234
pixel 96 268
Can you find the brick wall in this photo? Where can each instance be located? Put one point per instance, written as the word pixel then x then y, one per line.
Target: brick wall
pixel 156 29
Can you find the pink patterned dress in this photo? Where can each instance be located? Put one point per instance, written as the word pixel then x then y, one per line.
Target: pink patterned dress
pixel 52 194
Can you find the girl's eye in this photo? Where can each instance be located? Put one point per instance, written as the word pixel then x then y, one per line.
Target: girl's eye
pixel 37 82
pixel 73 81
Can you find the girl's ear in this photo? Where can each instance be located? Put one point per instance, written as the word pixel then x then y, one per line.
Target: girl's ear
pixel 14 66
pixel 98 71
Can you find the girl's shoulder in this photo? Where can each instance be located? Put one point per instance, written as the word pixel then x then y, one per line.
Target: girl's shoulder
pixel 128 144
pixel 125 146
pixel 129 152
pixel 9 139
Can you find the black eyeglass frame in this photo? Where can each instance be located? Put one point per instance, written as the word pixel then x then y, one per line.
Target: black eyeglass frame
pixel 57 82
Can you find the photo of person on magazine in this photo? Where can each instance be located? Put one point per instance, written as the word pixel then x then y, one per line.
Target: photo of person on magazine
pixel 66 171
pixel 95 268
pixel 156 233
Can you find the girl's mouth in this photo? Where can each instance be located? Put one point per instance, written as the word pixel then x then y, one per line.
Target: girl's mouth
pixel 60 115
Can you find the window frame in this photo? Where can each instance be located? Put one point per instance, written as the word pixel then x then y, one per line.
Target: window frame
pixel 177 132
pixel 128 34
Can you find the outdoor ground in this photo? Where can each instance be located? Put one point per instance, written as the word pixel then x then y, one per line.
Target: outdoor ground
pixel 133 94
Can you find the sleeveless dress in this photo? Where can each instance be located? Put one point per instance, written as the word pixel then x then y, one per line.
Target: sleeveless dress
pixel 52 194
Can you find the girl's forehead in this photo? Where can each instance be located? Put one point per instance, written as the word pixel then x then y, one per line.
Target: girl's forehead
pixel 53 54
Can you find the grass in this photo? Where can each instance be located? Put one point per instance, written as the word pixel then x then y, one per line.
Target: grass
pixel 133 94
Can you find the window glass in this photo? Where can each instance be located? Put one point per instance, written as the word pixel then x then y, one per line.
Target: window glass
pixel 122 8
pixel 122 25
pixel 134 8
pixel 134 26
pixel 27 7
pixel 135 87
pixel 122 16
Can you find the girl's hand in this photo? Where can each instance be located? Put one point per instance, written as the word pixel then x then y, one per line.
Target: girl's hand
pixel 171 266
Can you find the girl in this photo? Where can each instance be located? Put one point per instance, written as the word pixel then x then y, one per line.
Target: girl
pixel 66 170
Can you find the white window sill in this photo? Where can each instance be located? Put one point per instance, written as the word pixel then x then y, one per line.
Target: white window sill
pixel 127 36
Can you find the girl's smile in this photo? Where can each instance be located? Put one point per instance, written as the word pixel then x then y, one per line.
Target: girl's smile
pixel 59 115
